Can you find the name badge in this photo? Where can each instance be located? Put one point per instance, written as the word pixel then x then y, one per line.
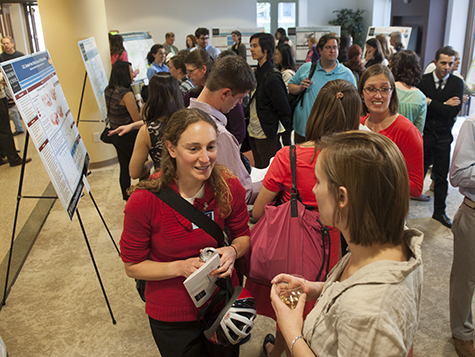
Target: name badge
pixel 210 214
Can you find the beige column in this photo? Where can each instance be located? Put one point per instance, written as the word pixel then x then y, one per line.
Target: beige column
pixel 65 23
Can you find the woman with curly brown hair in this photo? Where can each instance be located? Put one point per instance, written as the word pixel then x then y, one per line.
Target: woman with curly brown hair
pixel 161 246
pixel 407 72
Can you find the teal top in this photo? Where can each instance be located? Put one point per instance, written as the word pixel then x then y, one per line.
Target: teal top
pixel 413 105
pixel 319 79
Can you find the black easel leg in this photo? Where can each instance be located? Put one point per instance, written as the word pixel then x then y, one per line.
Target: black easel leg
pixel 20 187
pixel 82 97
pixel 95 266
pixel 103 221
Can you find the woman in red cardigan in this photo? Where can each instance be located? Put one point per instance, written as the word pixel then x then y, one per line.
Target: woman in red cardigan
pixel 161 246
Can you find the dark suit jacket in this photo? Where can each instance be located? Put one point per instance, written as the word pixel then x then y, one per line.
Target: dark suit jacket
pixel 440 117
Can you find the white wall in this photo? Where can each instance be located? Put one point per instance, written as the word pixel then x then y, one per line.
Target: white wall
pixel 19 28
pixel 182 17
pixel 456 25
pixel 320 12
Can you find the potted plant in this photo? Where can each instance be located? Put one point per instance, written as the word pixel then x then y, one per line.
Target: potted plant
pixel 351 21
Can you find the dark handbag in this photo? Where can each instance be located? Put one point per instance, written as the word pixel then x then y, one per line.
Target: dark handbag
pixel 296 99
pixel 105 138
pixel 289 238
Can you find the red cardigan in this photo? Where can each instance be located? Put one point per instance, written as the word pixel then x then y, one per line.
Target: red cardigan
pixel 154 231
pixel 409 140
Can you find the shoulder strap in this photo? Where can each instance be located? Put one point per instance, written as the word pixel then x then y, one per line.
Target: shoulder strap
pixel 312 69
pixel 310 75
pixel 190 212
pixel 294 192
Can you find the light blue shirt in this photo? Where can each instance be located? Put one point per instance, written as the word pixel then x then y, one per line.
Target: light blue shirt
pixel 155 68
pixel 213 51
pixel 462 169
pixel 319 79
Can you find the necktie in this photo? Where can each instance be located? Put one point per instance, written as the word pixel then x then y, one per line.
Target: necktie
pixel 439 88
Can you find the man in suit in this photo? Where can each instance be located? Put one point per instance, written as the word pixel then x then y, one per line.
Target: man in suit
pixel 168 45
pixel 444 93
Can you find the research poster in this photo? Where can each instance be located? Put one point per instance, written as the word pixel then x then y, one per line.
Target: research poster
pixel 223 39
pixel 405 32
pixel 42 105
pixel 95 72
pixel 137 45
pixel 300 36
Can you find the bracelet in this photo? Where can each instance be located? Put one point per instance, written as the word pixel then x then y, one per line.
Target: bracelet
pixel 235 250
pixel 292 344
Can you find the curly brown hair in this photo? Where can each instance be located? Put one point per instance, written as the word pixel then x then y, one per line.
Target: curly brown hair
pixel 406 67
pixel 177 124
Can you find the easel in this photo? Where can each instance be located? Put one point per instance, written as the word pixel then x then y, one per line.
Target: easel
pixel 19 197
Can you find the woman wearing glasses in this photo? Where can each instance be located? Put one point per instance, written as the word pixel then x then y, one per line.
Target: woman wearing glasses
pixel 377 88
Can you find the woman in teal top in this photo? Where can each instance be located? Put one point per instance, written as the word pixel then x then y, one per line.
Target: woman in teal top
pixel 407 72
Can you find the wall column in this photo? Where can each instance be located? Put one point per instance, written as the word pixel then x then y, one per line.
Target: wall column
pixel 65 23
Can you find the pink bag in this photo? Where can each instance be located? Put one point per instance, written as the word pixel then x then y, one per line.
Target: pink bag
pixel 289 238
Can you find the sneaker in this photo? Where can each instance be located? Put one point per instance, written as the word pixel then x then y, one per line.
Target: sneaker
pixel 18 133
pixel 19 162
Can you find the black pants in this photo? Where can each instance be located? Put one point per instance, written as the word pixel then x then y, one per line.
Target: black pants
pixel 186 339
pixel 7 144
pixel 437 153
pixel 263 150
pixel 124 145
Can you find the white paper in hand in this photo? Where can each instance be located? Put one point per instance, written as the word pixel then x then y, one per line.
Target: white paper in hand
pixel 200 285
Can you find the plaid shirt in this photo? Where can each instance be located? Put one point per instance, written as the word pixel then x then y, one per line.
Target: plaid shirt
pixel 186 85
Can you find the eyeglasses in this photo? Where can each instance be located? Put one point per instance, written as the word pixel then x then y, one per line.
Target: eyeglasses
pixel 329 48
pixel 190 72
pixel 203 38
pixel 382 91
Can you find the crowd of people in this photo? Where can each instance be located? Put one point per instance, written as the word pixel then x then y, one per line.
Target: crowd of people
pixel 366 132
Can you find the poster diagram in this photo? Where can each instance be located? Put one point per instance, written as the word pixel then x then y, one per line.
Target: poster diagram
pixel 137 45
pixel 95 72
pixel 42 105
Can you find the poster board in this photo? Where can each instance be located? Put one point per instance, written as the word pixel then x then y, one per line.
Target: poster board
pixel 300 35
pixel 471 72
pixel 374 31
pixel 43 106
pixel 223 39
pixel 95 72
pixel 137 45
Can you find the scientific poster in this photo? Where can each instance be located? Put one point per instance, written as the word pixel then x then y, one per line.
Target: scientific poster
pixel 300 36
pixel 374 31
pixel 95 72
pixel 137 45
pixel 42 105
pixel 223 39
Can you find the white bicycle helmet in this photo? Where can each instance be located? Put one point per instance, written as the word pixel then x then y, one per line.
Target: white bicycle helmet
pixel 235 321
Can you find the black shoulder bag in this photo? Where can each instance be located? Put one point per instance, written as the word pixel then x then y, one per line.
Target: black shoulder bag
pixel 295 99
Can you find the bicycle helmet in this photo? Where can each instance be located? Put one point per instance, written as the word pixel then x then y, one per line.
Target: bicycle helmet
pixel 234 323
